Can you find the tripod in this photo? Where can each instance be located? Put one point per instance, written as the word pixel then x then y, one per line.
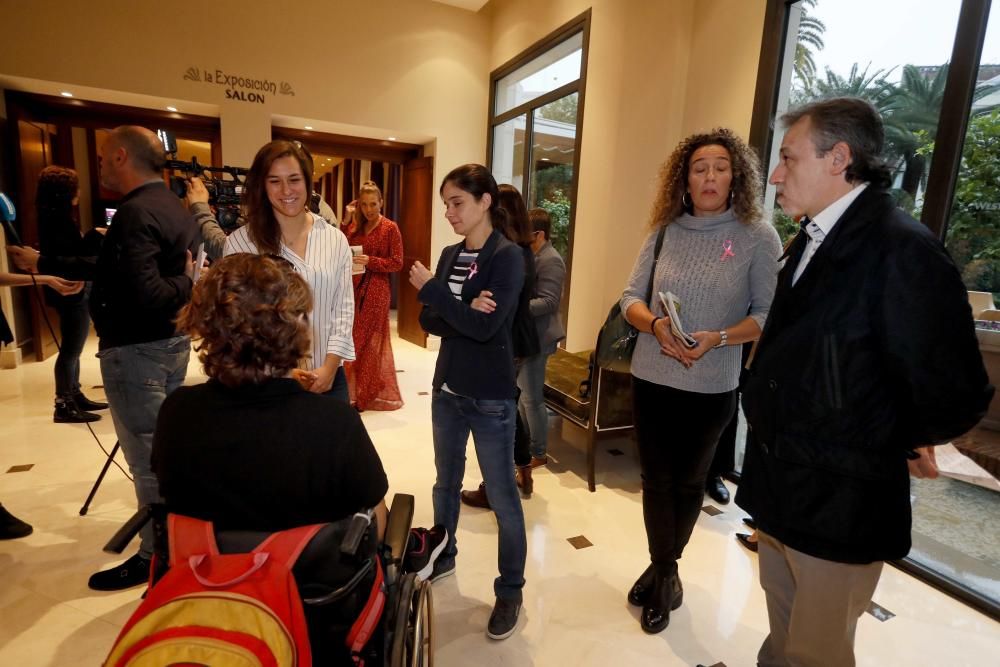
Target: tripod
pixel 100 478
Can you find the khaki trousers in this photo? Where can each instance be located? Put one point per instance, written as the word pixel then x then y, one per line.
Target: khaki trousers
pixel 813 606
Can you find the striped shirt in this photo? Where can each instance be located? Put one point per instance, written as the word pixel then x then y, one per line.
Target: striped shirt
pixel 327 269
pixel 465 267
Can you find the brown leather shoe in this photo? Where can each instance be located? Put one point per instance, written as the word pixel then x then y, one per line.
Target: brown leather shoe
pixel 476 498
pixel 522 474
pixel 538 462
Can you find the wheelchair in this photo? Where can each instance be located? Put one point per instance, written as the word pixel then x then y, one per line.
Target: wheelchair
pixel 335 575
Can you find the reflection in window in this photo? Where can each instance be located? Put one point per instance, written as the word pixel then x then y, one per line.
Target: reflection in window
pixel 508 152
pixel 553 157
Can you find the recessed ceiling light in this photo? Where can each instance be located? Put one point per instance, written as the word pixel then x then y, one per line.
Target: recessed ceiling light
pixel 66 93
pixel 309 127
pixel 545 159
pixel 171 108
pixel 392 138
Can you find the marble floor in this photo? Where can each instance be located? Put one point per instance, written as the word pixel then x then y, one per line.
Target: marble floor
pixel 575 611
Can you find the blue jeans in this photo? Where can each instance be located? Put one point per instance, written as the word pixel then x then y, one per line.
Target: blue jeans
pixel 74 326
pixel 136 380
pixel 491 423
pixel 531 404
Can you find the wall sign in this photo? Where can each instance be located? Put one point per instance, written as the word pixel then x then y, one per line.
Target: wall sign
pixel 239 87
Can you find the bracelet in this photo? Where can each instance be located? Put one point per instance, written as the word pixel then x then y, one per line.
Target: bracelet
pixel 724 340
pixel 652 325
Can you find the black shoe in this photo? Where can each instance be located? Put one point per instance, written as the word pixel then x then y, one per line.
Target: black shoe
pixel 441 570
pixel 717 490
pixel 67 412
pixel 503 620
pixel 733 476
pixel 667 595
pixel 85 403
pixel 745 541
pixel 11 527
pixel 642 587
pixel 749 523
pixel 422 550
pixel 133 572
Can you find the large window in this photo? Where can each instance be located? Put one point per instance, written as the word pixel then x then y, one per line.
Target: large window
pixel 536 111
pixel 934 75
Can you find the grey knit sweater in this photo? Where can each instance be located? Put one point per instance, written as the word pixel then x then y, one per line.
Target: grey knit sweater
pixel 720 269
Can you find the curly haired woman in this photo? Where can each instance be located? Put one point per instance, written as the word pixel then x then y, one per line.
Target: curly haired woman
pixel 720 259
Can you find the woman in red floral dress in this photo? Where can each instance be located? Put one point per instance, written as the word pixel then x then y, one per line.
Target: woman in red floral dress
pixel 372 377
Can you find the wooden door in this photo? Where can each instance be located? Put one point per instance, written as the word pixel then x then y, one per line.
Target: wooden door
pixel 34 153
pixel 415 228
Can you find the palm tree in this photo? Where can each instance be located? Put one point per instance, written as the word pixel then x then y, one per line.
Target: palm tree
pixel 873 87
pixel 810 37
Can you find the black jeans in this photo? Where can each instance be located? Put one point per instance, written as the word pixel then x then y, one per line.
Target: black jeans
pixel 725 453
pixel 74 327
pixel 677 433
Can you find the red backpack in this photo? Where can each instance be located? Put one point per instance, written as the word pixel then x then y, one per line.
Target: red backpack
pixel 224 610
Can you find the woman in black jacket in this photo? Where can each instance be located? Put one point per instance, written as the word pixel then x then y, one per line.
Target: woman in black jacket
pixel 60 238
pixel 474 388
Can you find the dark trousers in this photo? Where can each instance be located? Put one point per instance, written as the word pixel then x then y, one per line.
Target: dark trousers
pixel 725 453
pixel 677 432
pixel 74 327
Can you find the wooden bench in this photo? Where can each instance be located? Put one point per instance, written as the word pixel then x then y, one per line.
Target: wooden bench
pixel 610 392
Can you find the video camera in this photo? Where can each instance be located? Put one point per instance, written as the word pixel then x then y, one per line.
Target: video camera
pixel 224 194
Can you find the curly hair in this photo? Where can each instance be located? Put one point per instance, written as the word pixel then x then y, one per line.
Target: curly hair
pixel 746 187
pixel 57 187
pixel 249 319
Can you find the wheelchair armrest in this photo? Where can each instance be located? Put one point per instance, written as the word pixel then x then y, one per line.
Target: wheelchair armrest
pixel 124 535
pixel 397 532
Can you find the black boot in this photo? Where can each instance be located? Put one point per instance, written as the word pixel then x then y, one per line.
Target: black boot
pixel 11 527
pixel 716 490
pixel 67 412
pixel 667 595
pixel 85 403
pixel 642 587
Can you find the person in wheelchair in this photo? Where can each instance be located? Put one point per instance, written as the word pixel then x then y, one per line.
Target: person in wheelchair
pixel 251 449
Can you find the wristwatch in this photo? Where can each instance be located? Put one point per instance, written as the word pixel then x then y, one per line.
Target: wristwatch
pixel 724 339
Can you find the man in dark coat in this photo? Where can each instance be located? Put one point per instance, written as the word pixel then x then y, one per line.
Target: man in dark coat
pixel 143 277
pixel 869 358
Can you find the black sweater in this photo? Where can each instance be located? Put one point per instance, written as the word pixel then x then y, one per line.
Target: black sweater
pixel 140 283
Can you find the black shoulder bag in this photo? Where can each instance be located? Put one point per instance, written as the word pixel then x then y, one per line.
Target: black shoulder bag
pixel 617 339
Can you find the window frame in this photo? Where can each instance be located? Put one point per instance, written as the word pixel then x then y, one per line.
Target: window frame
pixel 579 24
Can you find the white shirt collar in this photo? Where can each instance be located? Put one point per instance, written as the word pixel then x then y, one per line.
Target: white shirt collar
pixel 826 219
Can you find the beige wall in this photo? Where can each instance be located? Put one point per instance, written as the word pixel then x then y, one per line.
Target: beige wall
pixel 417 68
pixel 657 70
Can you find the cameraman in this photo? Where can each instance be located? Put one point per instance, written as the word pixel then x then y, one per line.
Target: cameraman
pixel 211 233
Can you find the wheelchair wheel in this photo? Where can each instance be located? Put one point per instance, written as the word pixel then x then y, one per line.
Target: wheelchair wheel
pixel 412 641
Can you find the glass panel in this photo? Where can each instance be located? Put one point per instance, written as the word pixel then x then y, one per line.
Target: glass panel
pixel 956 522
pixel 508 152
pixel 554 68
pixel 553 159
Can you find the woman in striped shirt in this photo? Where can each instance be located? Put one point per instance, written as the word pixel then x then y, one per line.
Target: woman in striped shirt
pixel 275 205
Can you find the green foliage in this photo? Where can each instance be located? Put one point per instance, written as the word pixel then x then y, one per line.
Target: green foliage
pixel 786 227
pixel 558 206
pixel 563 110
pixel 974 228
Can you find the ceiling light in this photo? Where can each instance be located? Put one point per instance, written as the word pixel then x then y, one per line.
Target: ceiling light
pixel 392 138
pixel 309 127
pixel 66 93
pixel 171 108
pixel 545 159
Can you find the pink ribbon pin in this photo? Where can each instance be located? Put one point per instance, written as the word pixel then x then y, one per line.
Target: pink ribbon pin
pixel 727 250
pixel 473 269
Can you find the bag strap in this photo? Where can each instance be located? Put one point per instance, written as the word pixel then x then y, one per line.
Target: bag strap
pixel 287 545
pixel 187 536
pixel 656 258
pixel 368 619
